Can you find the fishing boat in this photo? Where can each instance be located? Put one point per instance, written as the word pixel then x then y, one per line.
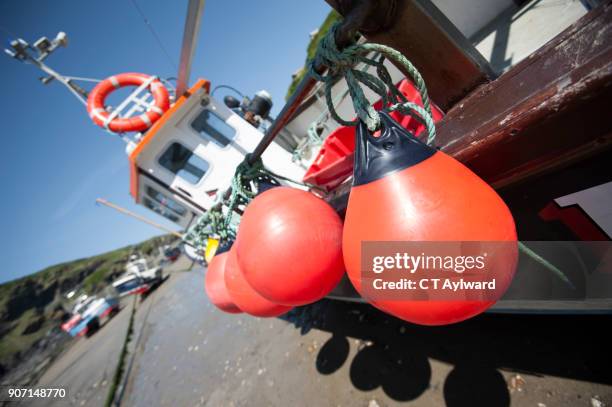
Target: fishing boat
pixel 138 278
pixel 131 284
pixel 517 133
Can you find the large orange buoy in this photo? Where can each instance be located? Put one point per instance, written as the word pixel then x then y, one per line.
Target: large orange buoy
pixel 290 246
pixel 244 296
pixel 214 285
pixel 404 190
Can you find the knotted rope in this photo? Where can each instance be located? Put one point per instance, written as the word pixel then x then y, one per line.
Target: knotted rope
pixel 342 64
pixel 247 181
pixel 210 224
pixel 313 140
pixel 243 188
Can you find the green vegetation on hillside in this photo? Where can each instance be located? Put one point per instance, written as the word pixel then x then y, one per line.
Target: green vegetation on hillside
pixel 331 18
pixel 30 306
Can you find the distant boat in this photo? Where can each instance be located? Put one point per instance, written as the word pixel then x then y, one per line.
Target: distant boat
pixel 88 314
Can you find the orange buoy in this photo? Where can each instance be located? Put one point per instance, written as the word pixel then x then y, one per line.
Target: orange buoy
pixel 404 190
pixel 290 246
pixel 214 284
pixel 244 296
pixel 97 109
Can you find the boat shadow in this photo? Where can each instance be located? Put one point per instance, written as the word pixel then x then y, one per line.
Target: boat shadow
pixel 154 287
pixel 395 355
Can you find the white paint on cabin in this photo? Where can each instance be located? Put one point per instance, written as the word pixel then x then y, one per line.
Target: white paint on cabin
pixel 469 16
pixel 514 33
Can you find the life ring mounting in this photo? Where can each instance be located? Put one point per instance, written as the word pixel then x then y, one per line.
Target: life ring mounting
pixel 111 120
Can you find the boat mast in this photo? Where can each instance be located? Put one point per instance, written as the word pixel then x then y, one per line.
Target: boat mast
pixel 36 54
pixel 190 36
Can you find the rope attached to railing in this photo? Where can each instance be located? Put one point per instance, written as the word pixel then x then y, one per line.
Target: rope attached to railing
pixel 342 64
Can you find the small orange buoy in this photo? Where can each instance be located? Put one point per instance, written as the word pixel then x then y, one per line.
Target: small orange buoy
pixel 290 246
pixel 244 296
pixel 214 284
pixel 404 190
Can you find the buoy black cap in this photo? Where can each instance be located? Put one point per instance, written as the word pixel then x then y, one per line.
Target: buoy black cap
pixel 224 246
pixel 394 150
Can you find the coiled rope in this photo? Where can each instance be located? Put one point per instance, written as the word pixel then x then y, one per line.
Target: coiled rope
pixel 210 225
pixel 341 65
pixel 243 188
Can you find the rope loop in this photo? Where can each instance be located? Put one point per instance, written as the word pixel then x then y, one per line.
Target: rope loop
pixel 209 225
pixel 248 180
pixel 341 65
pixel 243 190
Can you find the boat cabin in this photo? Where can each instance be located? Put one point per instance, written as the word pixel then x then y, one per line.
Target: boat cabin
pixel 191 153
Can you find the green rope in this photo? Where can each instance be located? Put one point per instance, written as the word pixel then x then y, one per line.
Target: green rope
pixel 242 190
pixel 341 64
pixel 548 265
pixel 314 140
pixel 313 135
pixel 245 183
pixel 244 186
pixel 209 225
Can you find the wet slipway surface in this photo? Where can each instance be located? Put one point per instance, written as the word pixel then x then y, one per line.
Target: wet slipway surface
pixel 335 353
pixel 187 353
pixel 86 369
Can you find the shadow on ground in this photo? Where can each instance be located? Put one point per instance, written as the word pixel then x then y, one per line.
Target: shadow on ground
pixel 154 287
pixel 395 355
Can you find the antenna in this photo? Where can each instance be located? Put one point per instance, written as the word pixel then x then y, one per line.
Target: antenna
pixel 36 54
pixel 43 47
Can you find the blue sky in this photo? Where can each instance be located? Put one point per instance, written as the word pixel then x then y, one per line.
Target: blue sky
pixel 56 162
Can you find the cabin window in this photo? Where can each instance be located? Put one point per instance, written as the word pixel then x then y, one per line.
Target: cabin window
pixel 214 128
pixel 168 202
pixel 157 208
pixel 183 162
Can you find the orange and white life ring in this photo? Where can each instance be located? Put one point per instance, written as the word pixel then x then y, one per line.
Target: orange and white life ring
pixel 97 97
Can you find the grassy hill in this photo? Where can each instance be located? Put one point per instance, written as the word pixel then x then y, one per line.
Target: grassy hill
pixel 33 305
